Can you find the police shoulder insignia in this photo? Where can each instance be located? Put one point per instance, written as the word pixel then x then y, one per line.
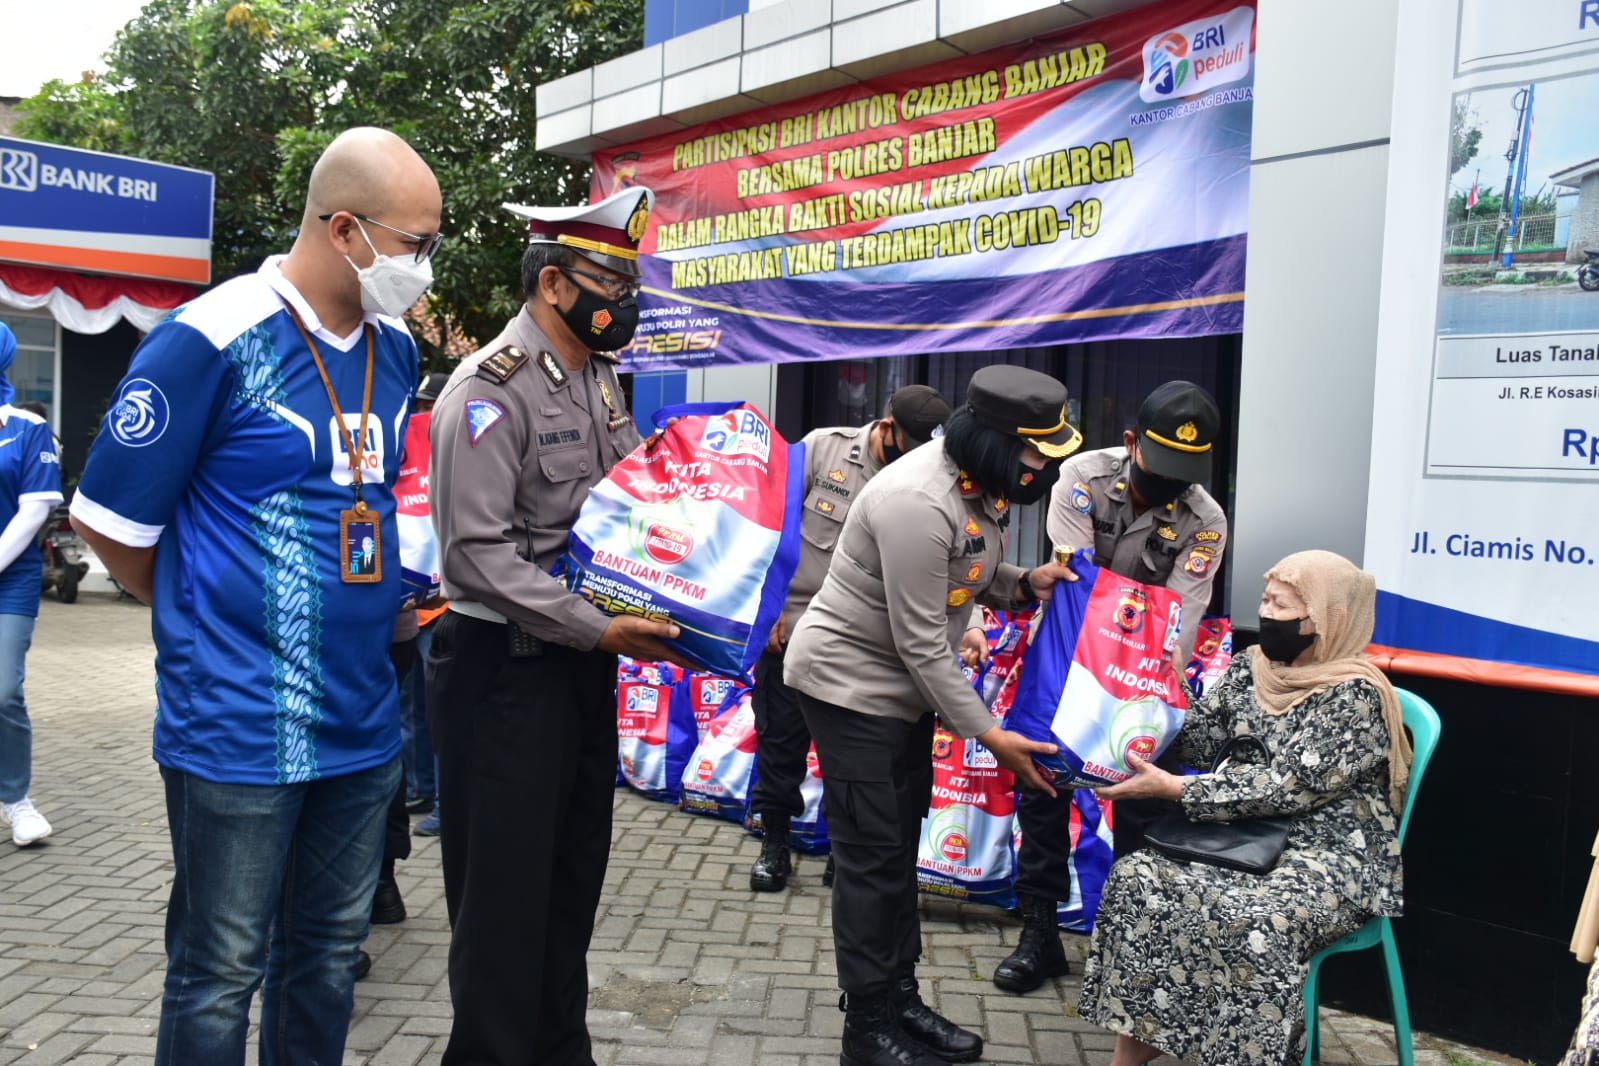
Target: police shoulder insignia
pixel 1207 536
pixel 958 597
pixel 481 416
pixel 552 368
pixel 1198 561
pixel 1082 499
pixel 974 571
pixel 505 362
pixel 968 486
pixel 1166 533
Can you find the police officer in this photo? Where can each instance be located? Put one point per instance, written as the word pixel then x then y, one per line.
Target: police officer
pixel 839 461
pixel 873 659
pixel 520 702
pixel 1148 520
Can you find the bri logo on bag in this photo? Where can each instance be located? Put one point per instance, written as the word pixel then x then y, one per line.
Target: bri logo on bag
pixel 738 433
pixel 642 699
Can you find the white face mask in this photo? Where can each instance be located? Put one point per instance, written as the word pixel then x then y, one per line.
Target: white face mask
pixel 391 284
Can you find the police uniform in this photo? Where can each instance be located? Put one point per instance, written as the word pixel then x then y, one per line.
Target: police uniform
pixel 873 658
pixel 1178 546
pixel 838 464
pixel 521 703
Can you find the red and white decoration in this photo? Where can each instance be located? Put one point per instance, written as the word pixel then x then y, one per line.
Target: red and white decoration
pixel 90 303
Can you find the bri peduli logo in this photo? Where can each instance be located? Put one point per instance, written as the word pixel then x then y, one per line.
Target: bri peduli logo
pixel 1197 56
pixel 737 433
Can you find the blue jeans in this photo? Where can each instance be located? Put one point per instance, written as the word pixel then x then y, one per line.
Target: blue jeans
pixel 298 862
pixel 421 777
pixel 16 733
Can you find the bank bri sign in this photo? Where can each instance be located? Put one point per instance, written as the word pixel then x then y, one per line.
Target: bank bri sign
pixel 107 214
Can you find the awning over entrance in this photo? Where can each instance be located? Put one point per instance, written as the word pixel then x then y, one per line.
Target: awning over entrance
pixel 90 303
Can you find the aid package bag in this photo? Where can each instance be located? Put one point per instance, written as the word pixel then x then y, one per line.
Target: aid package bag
pixel 717 779
pixel 654 728
pixel 419 547
pixel 966 851
pixel 1213 652
pixel 1098 682
pixel 692 528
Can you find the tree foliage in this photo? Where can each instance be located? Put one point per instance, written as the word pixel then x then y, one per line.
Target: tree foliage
pixel 1464 135
pixel 252 90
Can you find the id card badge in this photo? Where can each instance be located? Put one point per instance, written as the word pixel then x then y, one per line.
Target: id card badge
pixel 360 547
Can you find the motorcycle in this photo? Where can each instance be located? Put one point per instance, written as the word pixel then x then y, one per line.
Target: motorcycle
pixel 1588 273
pixel 65 553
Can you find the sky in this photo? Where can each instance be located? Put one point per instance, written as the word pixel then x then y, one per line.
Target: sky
pixel 44 39
pixel 1563 132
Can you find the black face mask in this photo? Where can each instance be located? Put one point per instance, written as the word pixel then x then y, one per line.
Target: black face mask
pixel 1031 489
pixel 1155 490
pixel 620 318
pixel 891 448
pixel 1281 641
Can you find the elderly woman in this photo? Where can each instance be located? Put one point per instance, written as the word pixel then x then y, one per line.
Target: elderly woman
pixel 1208 964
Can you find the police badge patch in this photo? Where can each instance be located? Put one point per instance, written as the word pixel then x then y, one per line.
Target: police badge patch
pixel 481 416
pixel 1082 501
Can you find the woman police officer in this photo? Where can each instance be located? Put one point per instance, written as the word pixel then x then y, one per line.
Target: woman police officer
pixel 873 658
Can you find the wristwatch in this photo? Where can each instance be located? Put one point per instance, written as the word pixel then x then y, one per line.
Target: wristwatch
pixel 1025 583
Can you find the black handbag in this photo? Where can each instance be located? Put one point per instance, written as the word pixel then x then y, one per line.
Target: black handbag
pixel 1252 845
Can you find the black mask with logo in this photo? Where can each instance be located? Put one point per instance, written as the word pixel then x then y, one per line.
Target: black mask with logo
pixel 620 320
pixel 1033 485
pixel 1281 641
pixel 1155 490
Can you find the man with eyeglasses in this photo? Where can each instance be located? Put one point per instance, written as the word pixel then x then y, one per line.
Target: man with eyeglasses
pixel 242 485
pixel 521 703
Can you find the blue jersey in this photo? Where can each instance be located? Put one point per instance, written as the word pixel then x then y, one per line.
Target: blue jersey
pixel 220 448
pixel 30 469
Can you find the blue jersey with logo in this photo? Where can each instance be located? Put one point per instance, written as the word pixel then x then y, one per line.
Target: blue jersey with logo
pixel 221 449
pixel 30 469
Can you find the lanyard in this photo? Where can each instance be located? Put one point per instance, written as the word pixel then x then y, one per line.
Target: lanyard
pixel 355 446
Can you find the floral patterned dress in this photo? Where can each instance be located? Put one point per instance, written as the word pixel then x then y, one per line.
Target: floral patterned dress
pixel 1208 964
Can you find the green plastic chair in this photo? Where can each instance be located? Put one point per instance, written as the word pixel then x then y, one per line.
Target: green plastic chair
pixel 1422 722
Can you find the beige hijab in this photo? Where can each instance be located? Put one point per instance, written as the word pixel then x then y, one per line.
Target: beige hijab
pixel 1342 599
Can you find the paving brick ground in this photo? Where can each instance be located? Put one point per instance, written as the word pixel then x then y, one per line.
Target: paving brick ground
pixel 688 967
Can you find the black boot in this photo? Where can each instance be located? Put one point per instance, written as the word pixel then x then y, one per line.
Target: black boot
pixel 827 874
pixel 1039 955
pixel 929 1028
pixel 872 1036
pixel 771 870
pixel 387 906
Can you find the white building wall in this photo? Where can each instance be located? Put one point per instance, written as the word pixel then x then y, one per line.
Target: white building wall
pixel 1318 184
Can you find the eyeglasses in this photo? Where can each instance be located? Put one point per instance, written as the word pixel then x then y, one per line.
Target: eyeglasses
pixel 427 244
pixel 614 287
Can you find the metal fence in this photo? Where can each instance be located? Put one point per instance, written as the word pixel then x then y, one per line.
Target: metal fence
pixel 1534 233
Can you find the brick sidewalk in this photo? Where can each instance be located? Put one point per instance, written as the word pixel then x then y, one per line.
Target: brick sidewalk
pixel 688 966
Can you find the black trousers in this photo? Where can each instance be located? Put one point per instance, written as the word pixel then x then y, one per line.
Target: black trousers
pixel 1041 861
pixel 879 774
pixel 527 768
pixel 397 828
pixel 782 741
